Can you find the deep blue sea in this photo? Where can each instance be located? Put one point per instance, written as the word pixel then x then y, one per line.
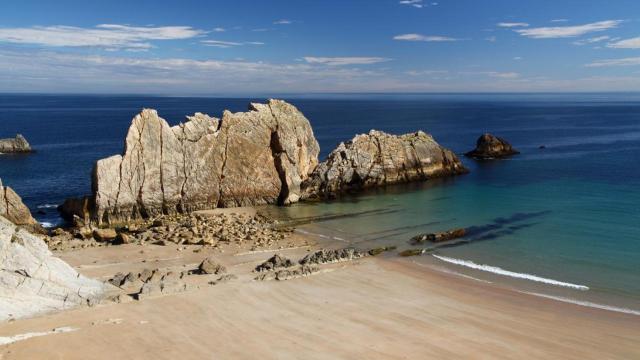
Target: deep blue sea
pixel 563 221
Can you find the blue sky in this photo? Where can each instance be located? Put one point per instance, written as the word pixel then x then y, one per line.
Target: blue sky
pixel 299 46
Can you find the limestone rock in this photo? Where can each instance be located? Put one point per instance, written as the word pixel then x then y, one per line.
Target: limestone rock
pixel 273 263
pixel 104 234
pixel 256 157
pixel 16 145
pixel 210 266
pixel 327 256
pixel 377 159
pixel 33 281
pixel 12 208
pixel 491 147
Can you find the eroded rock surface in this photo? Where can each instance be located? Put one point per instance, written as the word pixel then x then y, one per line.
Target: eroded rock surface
pixel 491 147
pixel 16 145
pixel 13 209
pixel 33 281
pixel 328 256
pixel 252 158
pixel 377 159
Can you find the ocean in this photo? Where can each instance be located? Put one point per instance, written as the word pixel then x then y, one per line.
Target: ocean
pixel 561 222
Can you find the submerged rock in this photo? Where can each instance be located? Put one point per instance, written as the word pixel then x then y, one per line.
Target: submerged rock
pixel 491 147
pixel 33 281
pixel 439 236
pixel 377 159
pixel 16 145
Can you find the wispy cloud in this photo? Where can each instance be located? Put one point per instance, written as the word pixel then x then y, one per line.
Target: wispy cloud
pixel 427 38
pixel 568 31
pixel 283 22
pixel 512 24
pixel 110 36
pixel 219 29
pixel 559 20
pixel 341 61
pixel 417 3
pixel 592 40
pixel 426 72
pixel 491 39
pixel 633 43
pixel 228 44
pixel 631 61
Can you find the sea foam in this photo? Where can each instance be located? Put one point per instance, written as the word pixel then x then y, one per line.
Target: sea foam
pixel 500 271
pixel 585 303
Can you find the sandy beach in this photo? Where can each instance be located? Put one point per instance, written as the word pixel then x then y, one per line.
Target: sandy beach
pixel 387 308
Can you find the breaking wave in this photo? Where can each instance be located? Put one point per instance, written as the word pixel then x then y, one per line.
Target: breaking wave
pixel 500 271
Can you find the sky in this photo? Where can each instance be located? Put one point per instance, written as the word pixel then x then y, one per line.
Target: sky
pixel 213 47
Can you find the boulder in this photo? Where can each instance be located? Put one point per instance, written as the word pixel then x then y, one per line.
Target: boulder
pixel 378 159
pixel 210 266
pixel 16 145
pixel 491 147
pixel 13 209
pixel 104 234
pixel 273 263
pixel 251 158
pixel 33 281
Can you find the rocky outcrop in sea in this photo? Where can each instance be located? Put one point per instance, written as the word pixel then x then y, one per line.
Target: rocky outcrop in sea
pixel 16 145
pixel 267 155
pixel 32 280
pixel 378 159
pixel 491 147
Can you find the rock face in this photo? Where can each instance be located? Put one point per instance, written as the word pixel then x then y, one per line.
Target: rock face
pixel 252 158
pixel 267 155
pixel 491 147
pixel 12 208
pixel 32 281
pixel 16 145
pixel 377 159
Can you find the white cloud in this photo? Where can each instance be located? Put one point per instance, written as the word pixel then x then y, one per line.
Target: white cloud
pixel 228 44
pixel 568 31
pixel 633 43
pixel 109 36
pixel 517 58
pixel 282 22
pixel 592 40
pixel 504 75
pixel 340 61
pixel 426 72
pixel 559 20
pixel 491 39
pixel 632 61
pixel 219 29
pixel 512 24
pixel 419 37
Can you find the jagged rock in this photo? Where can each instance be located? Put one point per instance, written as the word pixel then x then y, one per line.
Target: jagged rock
pixel 377 159
pixel 33 281
pixel 273 263
pixel 380 250
pixel 439 236
pixel 491 147
pixel 13 209
pixel 251 158
pixel 209 266
pixel 326 256
pixel 287 274
pixel 16 145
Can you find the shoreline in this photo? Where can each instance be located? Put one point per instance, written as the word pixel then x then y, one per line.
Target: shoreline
pixel 383 307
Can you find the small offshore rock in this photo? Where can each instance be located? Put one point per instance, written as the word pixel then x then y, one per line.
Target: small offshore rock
pixel 412 252
pixel 491 147
pixel 380 250
pixel 16 145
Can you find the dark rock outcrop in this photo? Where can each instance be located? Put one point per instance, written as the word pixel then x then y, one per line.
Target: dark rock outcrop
pixel 327 256
pixel 377 159
pixel 274 263
pixel 491 147
pixel 439 236
pixel 16 145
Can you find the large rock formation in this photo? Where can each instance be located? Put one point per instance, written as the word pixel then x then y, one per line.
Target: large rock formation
pixel 16 145
pixel 256 157
pixel 491 147
pixel 12 208
pixel 377 159
pixel 32 281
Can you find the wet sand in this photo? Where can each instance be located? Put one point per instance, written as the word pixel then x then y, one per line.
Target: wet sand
pixel 369 308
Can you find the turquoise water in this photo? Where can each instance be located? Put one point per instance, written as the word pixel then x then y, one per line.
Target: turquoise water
pixel 562 221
